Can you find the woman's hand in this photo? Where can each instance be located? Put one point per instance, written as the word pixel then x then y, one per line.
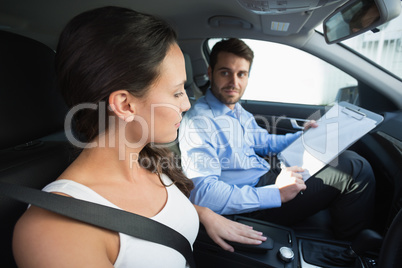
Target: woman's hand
pixel 220 229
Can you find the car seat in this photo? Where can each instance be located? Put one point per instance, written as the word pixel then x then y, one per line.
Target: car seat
pixel 33 147
pixel 192 90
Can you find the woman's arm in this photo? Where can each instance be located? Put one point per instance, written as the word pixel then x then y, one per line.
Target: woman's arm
pixel 45 239
pixel 220 229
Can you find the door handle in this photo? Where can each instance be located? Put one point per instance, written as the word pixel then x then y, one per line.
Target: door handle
pixel 295 122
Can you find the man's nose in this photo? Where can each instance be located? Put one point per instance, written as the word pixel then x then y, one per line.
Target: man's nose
pixel 233 80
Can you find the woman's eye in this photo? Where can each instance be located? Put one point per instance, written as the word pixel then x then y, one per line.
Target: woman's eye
pixel 179 94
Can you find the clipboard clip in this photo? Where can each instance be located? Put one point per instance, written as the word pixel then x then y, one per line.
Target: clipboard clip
pixel 353 113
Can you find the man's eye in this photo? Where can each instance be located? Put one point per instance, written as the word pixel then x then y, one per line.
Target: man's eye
pixel 242 74
pixel 224 73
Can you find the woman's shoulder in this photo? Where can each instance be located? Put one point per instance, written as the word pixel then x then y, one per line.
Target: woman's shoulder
pixel 38 235
pixel 51 239
pixel 77 190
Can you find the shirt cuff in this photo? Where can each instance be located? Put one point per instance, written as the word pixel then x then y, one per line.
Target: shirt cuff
pixel 270 196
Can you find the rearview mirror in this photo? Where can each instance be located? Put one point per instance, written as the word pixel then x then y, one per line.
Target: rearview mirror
pixel 359 16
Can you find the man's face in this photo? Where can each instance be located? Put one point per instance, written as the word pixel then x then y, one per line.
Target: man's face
pixel 229 78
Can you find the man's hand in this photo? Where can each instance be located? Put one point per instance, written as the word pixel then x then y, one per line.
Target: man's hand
pixel 310 124
pixel 290 183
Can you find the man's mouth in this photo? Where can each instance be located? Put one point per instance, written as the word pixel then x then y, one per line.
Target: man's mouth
pixel 230 91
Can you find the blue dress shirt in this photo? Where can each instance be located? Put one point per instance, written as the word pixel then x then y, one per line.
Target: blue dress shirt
pixel 219 148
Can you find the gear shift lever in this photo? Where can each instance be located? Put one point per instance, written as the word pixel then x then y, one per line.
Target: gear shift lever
pixel 367 240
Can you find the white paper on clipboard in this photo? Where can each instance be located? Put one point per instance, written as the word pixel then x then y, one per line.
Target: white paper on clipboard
pixel 337 129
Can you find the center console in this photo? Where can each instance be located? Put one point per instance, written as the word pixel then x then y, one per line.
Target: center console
pixel 282 249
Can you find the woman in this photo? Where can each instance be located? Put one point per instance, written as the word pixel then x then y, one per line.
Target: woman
pixel 129 62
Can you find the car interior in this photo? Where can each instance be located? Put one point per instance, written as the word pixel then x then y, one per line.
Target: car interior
pixel 35 149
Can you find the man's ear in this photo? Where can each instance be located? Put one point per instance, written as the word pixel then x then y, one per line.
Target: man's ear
pixel 210 73
pixel 121 102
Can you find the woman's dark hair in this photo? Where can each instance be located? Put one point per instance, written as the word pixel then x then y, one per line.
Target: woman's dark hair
pixel 108 49
pixel 231 45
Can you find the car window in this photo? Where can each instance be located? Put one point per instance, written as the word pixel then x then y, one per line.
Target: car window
pixel 282 73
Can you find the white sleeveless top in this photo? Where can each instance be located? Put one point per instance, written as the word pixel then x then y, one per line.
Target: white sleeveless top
pixel 178 213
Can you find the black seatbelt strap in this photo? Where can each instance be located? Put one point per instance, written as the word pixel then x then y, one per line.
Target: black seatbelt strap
pixel 106 217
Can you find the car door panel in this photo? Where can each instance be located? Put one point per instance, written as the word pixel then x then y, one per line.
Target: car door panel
pixel 281 118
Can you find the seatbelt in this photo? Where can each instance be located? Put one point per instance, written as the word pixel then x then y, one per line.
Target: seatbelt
pixel 106 217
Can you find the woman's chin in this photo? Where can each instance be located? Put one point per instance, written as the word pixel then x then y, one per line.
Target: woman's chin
pixel 168 140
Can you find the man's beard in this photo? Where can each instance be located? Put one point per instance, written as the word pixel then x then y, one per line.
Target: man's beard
pixel 224 99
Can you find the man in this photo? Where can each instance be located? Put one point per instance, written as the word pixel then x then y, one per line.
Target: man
pixel 221 147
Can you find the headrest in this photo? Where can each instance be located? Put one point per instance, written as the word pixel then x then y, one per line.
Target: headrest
pixel 31 105
pixel 189 70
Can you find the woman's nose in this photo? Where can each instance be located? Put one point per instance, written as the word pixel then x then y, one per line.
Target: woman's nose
pixel 185 105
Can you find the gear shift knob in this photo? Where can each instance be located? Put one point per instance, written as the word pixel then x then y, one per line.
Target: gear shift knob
pixel 367 240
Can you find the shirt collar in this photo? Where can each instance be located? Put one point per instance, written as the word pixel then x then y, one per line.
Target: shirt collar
pixel 218 108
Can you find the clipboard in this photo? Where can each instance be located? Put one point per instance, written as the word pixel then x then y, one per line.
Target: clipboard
pixel 338 128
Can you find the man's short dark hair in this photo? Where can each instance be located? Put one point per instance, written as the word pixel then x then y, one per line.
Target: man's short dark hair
pixel 231 45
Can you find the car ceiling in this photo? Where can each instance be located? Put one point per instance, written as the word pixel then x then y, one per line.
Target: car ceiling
pixel 193 19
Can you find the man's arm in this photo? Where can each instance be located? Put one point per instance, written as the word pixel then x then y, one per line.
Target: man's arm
pixel 202 164
pixel 271 143
pixel 264 142
pixel 228 199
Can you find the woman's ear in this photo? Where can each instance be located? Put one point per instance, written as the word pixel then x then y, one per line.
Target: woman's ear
pixel 121 103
